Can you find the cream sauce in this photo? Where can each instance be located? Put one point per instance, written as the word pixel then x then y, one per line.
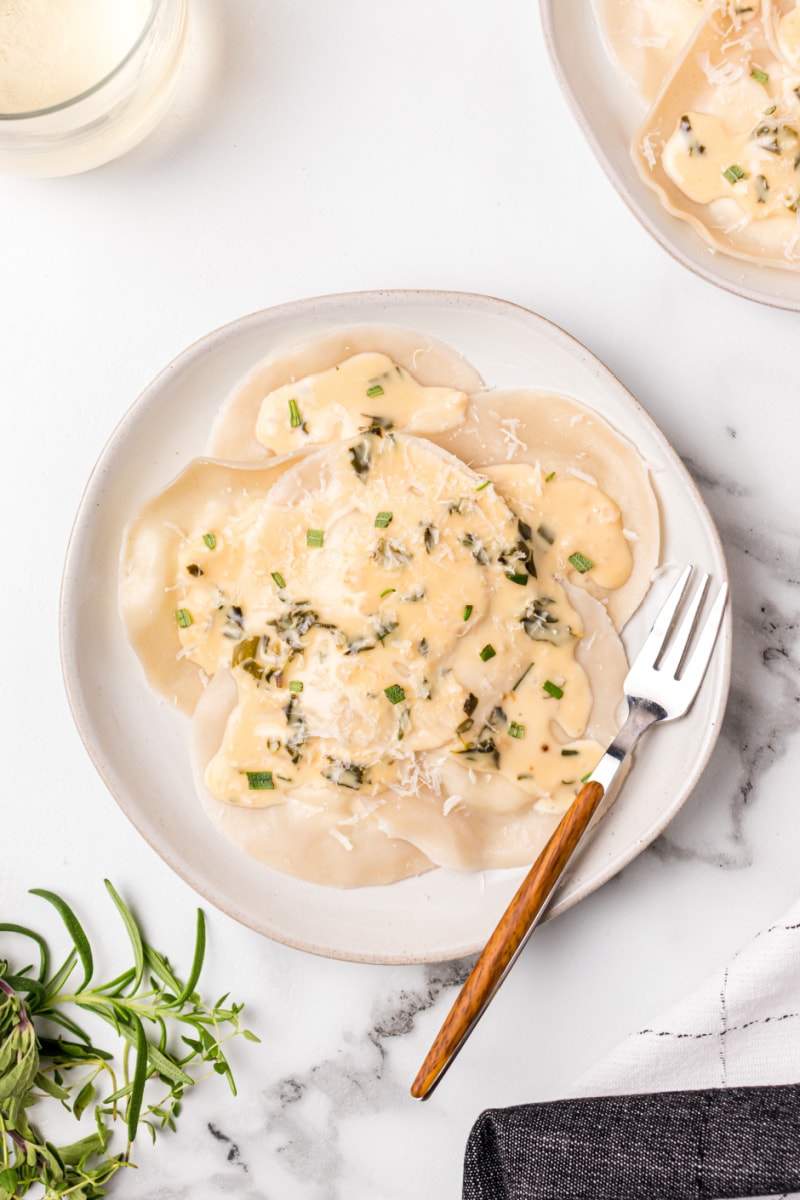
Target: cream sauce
pixel 335 404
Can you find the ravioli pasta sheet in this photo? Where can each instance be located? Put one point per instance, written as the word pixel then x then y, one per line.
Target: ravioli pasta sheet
pixel 720 144
pixel 393 615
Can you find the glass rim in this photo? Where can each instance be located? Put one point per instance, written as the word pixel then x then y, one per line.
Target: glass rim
pixel 73 101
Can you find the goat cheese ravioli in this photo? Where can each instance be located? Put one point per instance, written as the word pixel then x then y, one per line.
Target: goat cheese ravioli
pixel 395 617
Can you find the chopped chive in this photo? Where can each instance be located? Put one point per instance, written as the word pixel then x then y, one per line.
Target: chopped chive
pixel 759 76
pixel 387 592
pixel 183 617
pixel 769 111
pixel 260 781
pixel 515 577
pixel 279 580
pixel 315 537
pixel 295 685
pixel 483 485
pixel 488 652
pixel 552 475
pixel 586 778
pixel 470 704
pixel 580 562
pixel 210 540
pixel 553 689
pixel 468 611
pixel 568 753
pixel 285 778
pixel 394 693
pixel 515 730
pixel 295 419
pixel 375 390
pixel 734 173
pixel 383 520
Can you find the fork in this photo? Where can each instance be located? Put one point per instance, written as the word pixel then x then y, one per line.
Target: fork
pixel 660 686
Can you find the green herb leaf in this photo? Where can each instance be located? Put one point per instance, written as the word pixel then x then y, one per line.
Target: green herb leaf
pixel 553 689
pixel 518 577
pixel 375 390
pixel 210 540
pixel 734 173
pixel 488 652
pixel 295 420
pixel 384 520
pixel 580 562
pixel 515 730
pixel 759 76
pixel 315 537
pixel 183 617
pixel 394 693
pixel 468 611
pixel 295 685
pixel 260 781
pixel 74 929
pixel 278 579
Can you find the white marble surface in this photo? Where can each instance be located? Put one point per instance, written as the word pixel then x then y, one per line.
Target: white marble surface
pixel 316 148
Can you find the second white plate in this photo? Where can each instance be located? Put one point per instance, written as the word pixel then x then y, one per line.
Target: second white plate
pixel 141 747
pixel 609 111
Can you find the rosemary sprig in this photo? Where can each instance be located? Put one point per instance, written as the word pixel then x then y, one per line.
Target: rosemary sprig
pixel 171 1038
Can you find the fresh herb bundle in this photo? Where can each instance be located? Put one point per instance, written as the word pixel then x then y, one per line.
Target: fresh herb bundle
pixel 170 1037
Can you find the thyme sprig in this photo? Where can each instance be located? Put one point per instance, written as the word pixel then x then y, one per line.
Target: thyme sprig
pixel 171 1038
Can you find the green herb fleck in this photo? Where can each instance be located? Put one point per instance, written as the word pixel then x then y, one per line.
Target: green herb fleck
pixel 315 537
pixel 210 540
pixel 483 485
pixel 470 704
pixel 360 456
pixel 734 173
pixel 260 781
pixel 552 475
pixel 515 577
pixel 580 562
pixel 278 579
pixel 515 730
pixel 295 685
pixel 522 677
pixel 394 693
pixel 183 617
pixel 769 111
pixel 387 592
pixel 468 611
pixel 568 753
pixel 553 689
pixel 488 652
pixel 375 390
pixel 295 420
pixel 759 76
pixel 383 520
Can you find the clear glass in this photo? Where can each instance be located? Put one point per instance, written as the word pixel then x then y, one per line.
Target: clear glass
pixel 108 118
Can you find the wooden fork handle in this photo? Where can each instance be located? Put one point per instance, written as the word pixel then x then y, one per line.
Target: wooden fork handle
pixel 515 923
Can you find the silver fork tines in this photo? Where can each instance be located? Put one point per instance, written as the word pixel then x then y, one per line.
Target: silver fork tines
pixel 663 672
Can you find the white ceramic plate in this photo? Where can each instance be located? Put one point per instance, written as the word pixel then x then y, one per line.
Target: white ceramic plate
pixel 609 110
pixel 140 745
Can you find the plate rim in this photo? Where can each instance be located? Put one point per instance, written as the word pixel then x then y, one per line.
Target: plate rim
pixel 371 299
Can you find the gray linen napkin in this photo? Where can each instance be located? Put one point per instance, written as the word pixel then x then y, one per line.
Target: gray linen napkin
pixel 724 1120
